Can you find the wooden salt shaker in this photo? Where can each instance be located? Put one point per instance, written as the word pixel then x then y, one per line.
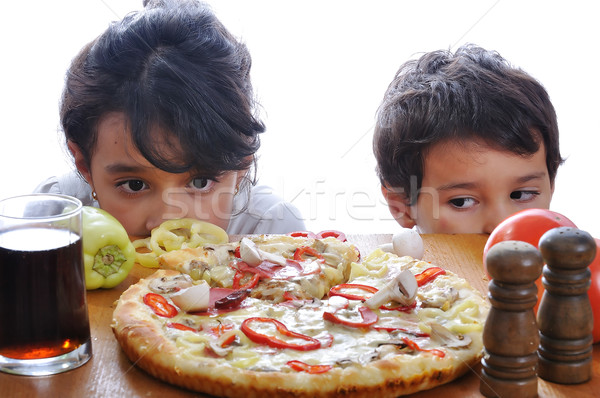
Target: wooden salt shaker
pixel 510 335
pixel 565 315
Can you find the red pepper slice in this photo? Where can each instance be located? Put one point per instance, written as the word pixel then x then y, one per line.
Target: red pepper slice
pixel 308 250
pixel 302 234
pixel 402 308
pixel 160 305
pixel 221 329
pixel 368 318
pixel 230 339
pixel 336 290
pixel 304 367
pixel 180 326
pixel 390 329
pixel 237 277
pixel 275 342
pixel 414 346
pixel 428 275
pixel 287 296
pixel 336 234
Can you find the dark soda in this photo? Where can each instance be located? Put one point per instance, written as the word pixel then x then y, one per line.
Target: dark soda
pixel 43 309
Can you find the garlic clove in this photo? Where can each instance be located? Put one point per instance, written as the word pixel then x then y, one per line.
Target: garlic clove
pixel 249 252
pixel 194 298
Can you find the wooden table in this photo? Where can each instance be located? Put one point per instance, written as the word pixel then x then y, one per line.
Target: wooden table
pixel 110 374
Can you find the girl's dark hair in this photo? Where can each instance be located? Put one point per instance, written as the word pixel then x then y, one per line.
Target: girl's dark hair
pixel 172 66
pixel 472 94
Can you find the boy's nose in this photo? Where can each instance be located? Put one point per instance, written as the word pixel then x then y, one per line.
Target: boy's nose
pixel 494 216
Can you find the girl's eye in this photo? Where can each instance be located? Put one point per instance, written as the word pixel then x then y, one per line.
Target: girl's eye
pixel 462 203
pixel 132 186
pixel 524 196
pixel 202 183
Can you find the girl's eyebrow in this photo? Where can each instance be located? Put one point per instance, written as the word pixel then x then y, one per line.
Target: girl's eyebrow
pixel 125 168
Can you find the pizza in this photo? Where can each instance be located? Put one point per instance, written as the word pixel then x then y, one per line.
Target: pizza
pixel 300 316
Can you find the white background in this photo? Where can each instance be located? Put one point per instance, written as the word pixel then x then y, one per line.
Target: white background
pixel 320 69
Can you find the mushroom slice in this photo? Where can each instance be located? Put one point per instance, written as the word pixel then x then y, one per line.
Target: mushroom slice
pixel 166 285
pixel 219 350
pixel 253 256
pixel 449 339
pixel 402 289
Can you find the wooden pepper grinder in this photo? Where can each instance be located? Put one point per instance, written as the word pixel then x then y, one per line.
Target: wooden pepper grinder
pixel 565 315
pixel 510 334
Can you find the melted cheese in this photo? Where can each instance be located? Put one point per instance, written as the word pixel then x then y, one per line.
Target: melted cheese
pixel 356 346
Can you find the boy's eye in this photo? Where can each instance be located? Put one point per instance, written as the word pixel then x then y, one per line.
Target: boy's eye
pixel 524 196
pixel 462 203
pixel 133 185
pixel 202 183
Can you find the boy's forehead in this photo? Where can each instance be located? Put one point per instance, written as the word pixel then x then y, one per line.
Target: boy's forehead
pixel 454 162
pixel 473 144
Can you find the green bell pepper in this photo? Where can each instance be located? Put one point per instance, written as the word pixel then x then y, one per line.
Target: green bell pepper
pixel 108 253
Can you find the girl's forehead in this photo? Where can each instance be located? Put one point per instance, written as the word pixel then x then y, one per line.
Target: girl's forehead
pixel 115 136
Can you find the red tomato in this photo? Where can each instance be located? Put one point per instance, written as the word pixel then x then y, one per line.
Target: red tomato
pixel 527 226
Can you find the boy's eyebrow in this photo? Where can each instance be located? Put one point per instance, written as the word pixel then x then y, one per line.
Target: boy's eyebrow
pixel 470 185
pixel 534 176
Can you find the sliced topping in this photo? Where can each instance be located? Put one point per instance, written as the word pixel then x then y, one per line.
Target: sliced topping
pixel 260 330
pixel 429 274
pixel 336 303
pixel 166 285
pixel 368 318
pixel 438 297
pixel 225 343
pixel 312 369
pixel 232 300
pixel 302 234
pixel 402 289
pixel 350 290
pixel 415 347
pixel 306 250
pixel 402 343
pixel 252 255
pixel 181 326
pixel 194 298
pixel 442 334
pixel 159 305
pixel 248 284
pixel 332 233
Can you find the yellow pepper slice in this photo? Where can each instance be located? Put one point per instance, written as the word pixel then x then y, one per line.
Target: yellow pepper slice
pixel 177 234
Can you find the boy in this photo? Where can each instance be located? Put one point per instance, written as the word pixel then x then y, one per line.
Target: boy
pixel 464 140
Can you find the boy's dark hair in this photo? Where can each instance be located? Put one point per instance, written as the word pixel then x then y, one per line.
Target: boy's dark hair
pixel 175 67
pixel 472 94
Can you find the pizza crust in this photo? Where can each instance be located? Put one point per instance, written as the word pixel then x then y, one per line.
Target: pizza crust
pixel 142 336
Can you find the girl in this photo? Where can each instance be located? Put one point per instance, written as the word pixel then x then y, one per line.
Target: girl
pixel 158 113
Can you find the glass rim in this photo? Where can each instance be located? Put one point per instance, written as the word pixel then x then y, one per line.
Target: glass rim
pixel 52 196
